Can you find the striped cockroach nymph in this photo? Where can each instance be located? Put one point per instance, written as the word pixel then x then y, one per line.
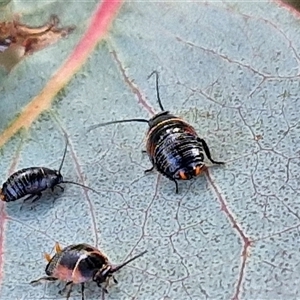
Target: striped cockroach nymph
pixel 172 144
pixel 81 263
pixel 31 182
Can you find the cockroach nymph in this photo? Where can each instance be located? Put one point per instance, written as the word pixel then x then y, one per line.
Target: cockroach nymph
pixel 81 263
pixel 173 146
pixel 32 181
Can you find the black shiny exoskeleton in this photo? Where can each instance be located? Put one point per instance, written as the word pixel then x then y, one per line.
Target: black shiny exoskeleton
pixel 173 146
pixel 32 181
pixel 79 264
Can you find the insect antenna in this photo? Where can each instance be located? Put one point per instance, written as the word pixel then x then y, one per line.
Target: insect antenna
pixel 72 182
pixel 82 185
pixel 64 155
pixel 118 267
pixel 157 89
pixel 116 122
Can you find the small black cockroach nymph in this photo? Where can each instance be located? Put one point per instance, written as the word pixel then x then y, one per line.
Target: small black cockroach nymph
pixel 173 145
pixel 81 263
pixel 32 181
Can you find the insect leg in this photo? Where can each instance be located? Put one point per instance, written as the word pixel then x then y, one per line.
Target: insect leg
pixel 70 290
pixel 34 197
pixel 45 278
pixel 82 291
pixel 68 285
pixel 115 280
pixel 149 170
pixel 207 152
pixel 176 184
pixel 175 181
pixel 61 188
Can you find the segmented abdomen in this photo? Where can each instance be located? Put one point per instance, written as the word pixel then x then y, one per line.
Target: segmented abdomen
pixel 174 145
pixel 76 263
pixel 24 182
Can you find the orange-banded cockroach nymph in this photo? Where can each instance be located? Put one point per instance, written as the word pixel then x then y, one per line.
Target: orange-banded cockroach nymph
pixel 81 263
pixel 172 144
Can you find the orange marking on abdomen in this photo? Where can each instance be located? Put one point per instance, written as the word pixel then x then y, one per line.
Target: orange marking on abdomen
pixel 2 196
pixel 62 273
pixel 198 170
pixel 182 175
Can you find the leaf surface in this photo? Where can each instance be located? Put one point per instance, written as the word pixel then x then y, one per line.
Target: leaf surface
pixel 232 71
